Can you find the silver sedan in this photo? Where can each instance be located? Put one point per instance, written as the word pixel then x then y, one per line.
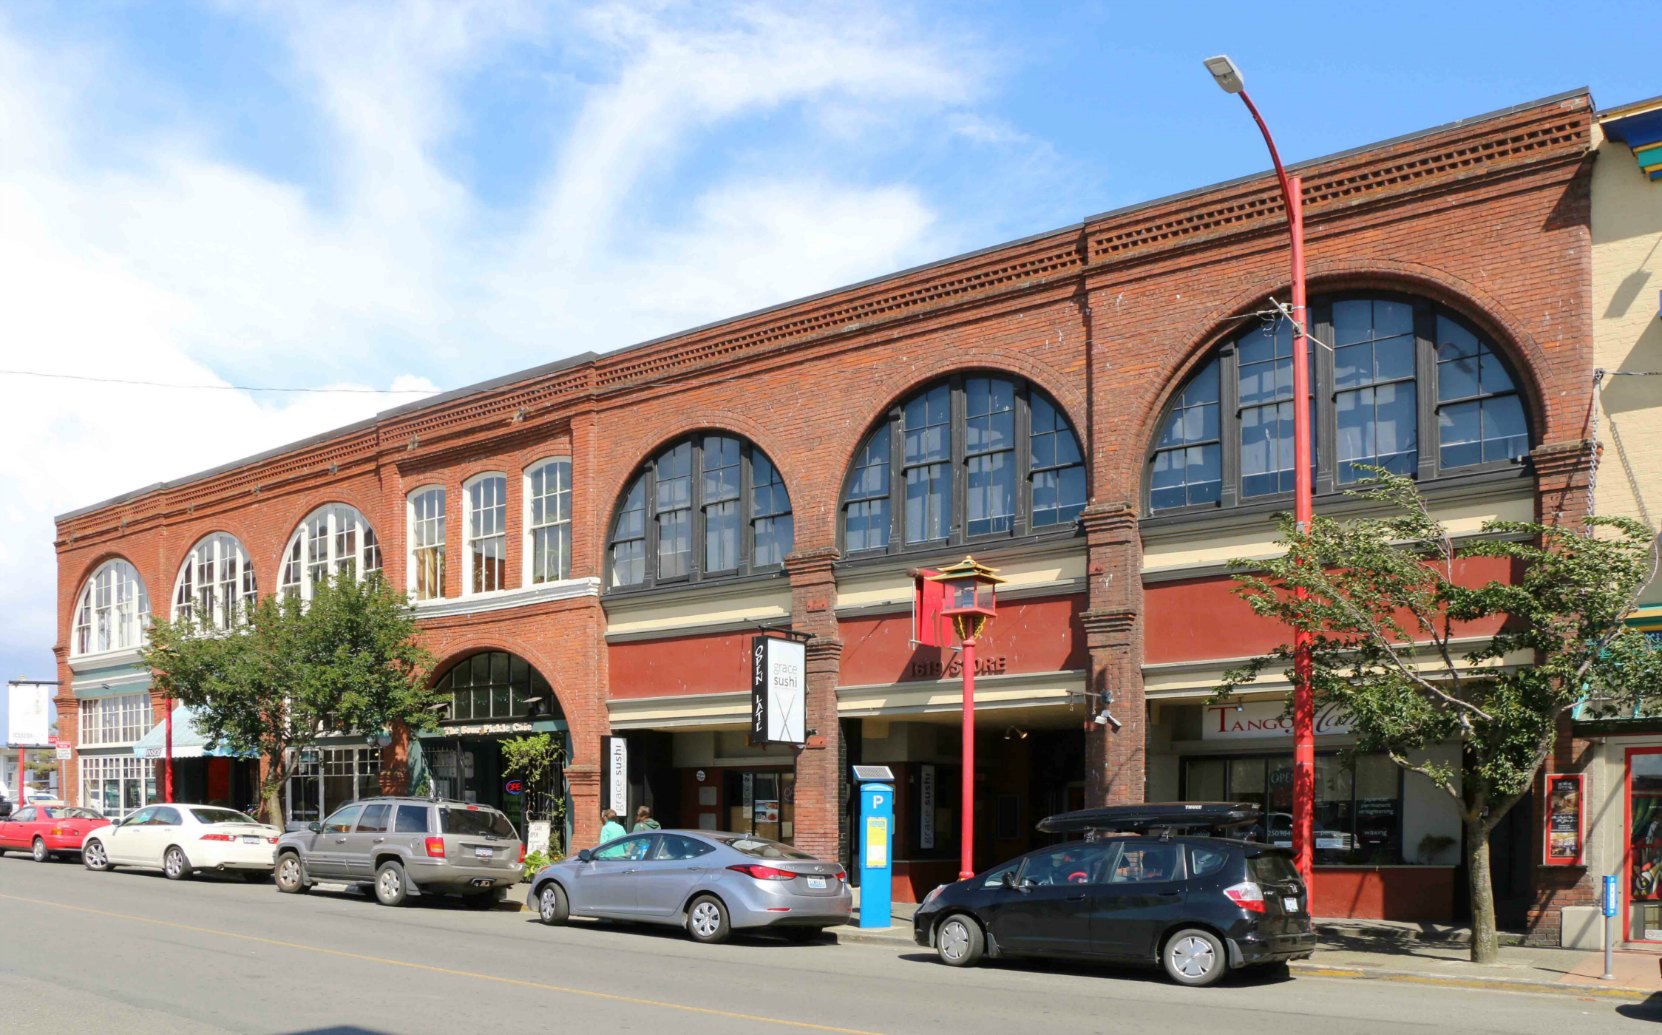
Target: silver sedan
pixel 708 882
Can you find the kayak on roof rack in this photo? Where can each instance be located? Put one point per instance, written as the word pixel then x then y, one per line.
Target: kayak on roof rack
pixel 1168 816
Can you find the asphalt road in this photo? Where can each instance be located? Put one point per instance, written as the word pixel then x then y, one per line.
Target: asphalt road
pixel 134 953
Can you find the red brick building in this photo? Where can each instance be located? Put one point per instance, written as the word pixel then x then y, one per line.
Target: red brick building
pixel 1101 412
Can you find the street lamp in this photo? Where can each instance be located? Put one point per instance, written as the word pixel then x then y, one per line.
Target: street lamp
pixel 970 601
pixel 1304 711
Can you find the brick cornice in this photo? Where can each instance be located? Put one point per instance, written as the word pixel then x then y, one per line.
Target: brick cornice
pixel 1558 460
pixel 1107 627
pixel 1108 523
pixel 811 566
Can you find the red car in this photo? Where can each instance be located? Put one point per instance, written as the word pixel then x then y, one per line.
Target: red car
pixel 45 831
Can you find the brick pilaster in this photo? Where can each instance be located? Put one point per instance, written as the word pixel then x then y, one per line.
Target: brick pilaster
pixel 1115 760
pixel 819 802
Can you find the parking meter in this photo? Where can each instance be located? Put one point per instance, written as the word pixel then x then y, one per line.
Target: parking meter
pixel 876 843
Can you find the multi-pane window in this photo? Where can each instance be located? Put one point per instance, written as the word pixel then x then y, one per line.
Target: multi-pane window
pixel 333 540
pixel 116 784
pixel 216 583
pixel 971 457
pixel 1358 802
pixel 487 533
pixel 548 521
pixel 325 778
pixel 1397 370
pixel 706 506
pixel 496 685
pixel 114 720
pixel 112 612
pixel 427 543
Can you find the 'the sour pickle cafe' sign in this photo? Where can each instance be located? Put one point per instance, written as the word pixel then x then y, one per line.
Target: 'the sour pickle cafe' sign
pixel 1254 719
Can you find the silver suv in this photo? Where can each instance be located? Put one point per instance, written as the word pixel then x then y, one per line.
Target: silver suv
pixel 404 847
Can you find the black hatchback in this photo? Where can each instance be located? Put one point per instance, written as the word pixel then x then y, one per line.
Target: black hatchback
pixel 1199 906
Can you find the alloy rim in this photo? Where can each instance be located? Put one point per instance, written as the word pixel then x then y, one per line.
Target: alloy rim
pixel 547 899
pixel 289 872
pixel 95 855
pixel 706 918
pixel 40 850
pixel 389 883
pixel 1193 957
pixel 174 862
pixel 954 940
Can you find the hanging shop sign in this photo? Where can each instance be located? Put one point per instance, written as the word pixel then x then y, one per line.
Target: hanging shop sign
pixel 926 806
pixel 1566 793
pixel 1260 719
pixel 778 690
pixel 615 750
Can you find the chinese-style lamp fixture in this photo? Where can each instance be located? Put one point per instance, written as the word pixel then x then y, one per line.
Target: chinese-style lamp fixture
pixel 971 596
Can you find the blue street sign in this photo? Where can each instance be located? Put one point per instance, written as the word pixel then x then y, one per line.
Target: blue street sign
pixel 876 853
pixel 1609 894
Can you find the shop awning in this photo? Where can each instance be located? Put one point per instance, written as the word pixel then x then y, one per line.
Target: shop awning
pixel 188 741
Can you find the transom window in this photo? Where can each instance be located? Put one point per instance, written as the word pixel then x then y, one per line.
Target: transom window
pixel 486 557
pixel 1401 372
pixel 427 543
pixel 497 685
pixel 333 540
pixel 216 583
pixel 548 521
pixel 707 506
pixel 114 720
pixel 973 457
pixel 113 611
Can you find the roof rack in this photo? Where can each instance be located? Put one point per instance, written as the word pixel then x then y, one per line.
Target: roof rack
pixel 1163 818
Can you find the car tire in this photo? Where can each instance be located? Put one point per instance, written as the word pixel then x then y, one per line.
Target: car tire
pixel 174 864
pixel 553 908
pixel 93 856
pixel 959 941
pixel 290 874
pixel 38 852
pixel 1194 957
pixel 392 887
pixel 707 920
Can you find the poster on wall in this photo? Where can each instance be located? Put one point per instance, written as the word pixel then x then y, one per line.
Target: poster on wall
pixel 778 690
pixel 1565 794
pixel 29 714
pixel 926 806
pixel 615 794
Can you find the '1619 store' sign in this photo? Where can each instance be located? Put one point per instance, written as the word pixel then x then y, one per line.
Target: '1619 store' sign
pixel 1264 719
pixel 936 669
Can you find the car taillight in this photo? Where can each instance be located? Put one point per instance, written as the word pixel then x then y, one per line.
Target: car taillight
pixel 271 840
pixel 1247 895
pixel 522 852
pixel 218 837
pixel 761 872
pixel 842 875
pixel 435 848
pixel 57 831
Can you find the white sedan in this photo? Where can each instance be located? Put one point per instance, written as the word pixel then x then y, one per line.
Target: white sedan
pixel 181 839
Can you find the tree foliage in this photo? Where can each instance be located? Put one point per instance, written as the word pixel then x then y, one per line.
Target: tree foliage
pixel 1417 658
pixel 345 662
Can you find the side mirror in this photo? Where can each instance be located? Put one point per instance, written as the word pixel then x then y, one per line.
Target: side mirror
pixel 314 826
pixel 1008 879
pixel 585 856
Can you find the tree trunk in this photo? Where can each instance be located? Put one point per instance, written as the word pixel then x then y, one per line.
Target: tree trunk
pixel 271 792
pixel 1485 942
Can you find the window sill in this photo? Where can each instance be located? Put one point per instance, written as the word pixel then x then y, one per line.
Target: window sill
pixel 680 587
pixel 929 554
pixel 105 659
pixel 501 600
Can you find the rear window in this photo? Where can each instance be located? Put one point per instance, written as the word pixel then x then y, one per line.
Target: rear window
pixel 1205 859
pixel 71 812
pixel 213 817
pixel 762 848
pixel 474 822
pixel 1272 868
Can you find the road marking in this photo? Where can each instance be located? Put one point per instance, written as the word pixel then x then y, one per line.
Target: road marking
pixel 589 993
pixel 1478 984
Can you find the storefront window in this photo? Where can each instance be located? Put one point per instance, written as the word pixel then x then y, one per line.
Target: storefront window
pixel 117 784
pixel 496 685
pixel 327 778
pixel 1644 846
pixel 1358 804
pixel 762 804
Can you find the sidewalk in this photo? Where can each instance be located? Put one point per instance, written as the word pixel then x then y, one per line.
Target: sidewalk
pixel 1423 954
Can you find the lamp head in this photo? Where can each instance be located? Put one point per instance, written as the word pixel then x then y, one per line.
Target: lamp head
pixel 1225 72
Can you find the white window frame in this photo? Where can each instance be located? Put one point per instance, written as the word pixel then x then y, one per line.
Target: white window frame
pixel 213 551
pixel 416 542
pixel 114 721
pixel 470 511
pixel 123 769
pixel 362 765
pixel 325 527
pixel 112 611
pixel 560 504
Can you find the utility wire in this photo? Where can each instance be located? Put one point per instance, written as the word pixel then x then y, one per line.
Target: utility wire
pixel 221 388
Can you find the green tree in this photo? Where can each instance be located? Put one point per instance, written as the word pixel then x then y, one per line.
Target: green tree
pixel 1417 659
pixel 345 662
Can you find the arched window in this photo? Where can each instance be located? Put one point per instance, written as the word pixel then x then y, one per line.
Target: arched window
pixel 333 540
pixel 216 583
pixel 548 521
pixel 497 685
pixel 974 457
pixel 485 552
pixel 707 506
pixel 112 612
pixel 426 561
pixel 1399 371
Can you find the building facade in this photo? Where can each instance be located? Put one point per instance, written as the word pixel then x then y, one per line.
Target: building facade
pixel 1102 413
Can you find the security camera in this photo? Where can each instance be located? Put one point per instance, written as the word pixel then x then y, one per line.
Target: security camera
pixel 1106 718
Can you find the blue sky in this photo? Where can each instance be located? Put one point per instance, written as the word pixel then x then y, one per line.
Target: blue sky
pixel 417 196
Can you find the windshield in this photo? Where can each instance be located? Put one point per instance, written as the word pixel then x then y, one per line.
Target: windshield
pixel 214 817
pixel 762 848
pixel 71 812
pixel 475 822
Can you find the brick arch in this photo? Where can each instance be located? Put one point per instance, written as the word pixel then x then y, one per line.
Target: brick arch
pixel 170 570
pixel 294 514
pixel 1487 313
pixel 582 731
pixel 86 571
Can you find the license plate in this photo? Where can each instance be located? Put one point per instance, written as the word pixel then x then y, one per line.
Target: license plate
pixel 817 883
pixel 1291 904
pixel 483 853
pixel 250 839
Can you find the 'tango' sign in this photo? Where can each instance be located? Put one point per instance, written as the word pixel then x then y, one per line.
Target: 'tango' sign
pixel 1264 719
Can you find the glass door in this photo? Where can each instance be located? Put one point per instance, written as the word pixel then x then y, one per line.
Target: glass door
pixel 1644 844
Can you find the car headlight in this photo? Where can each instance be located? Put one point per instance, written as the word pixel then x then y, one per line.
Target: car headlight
pixel 934 893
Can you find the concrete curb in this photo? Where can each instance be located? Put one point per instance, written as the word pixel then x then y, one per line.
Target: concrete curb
pixel 1313 968
pixel 899 937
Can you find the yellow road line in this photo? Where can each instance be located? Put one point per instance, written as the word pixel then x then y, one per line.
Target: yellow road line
pixel 683 1007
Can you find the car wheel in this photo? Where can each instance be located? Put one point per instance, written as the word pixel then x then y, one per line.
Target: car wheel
pixel 1194 957
pixel 959 941
pixel 291 875
pixel 93 856
pixel 707 920
pixel 174 863
pixel 392 888
pixel 552 907
pixel 39 853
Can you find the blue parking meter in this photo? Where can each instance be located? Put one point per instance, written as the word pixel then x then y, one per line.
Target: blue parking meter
pixel 1609 894
pixel 876 843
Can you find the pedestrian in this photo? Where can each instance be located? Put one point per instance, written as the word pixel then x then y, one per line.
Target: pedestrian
pixel 644 821
pixel 611 829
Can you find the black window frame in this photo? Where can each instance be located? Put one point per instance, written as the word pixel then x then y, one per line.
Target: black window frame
pixel 517 687
pixel 646 477
pixel 1021 525
pixel 1428 466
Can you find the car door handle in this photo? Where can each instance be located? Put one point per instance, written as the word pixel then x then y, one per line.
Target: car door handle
pixel 1171 894
pixel 379 840
pixel 1077 898
pixel 624 872
pixel 340 840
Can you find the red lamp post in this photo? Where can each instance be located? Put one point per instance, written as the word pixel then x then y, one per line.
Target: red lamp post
pixel 167 768
pixel 1304 711
pixel 970 603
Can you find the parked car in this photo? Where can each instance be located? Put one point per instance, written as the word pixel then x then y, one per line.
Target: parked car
pixel 707 882
pixel 47 831
pixel 1141 891
pixel 404 848
pixel 181 839
pixel 5 806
